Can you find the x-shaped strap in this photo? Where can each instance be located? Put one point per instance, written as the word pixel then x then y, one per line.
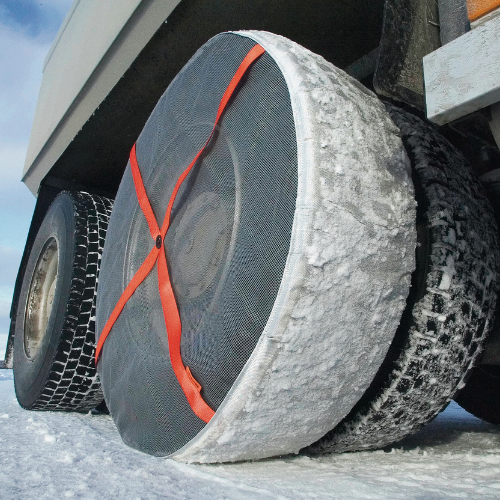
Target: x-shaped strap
pixel 189 385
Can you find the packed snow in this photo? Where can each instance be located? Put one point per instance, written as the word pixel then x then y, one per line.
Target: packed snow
pixel 69 455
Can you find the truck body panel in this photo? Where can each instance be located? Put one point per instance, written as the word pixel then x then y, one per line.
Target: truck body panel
pixel 463 76
pixel 82 139
pixel 81 69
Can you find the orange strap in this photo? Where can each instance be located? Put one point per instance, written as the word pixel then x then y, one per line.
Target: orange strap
pixel 189 385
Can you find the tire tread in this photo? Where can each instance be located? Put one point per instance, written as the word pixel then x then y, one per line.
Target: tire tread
pixel 73 383
pixel 448 326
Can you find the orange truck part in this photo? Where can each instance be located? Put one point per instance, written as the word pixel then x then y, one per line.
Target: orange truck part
pixel 478 8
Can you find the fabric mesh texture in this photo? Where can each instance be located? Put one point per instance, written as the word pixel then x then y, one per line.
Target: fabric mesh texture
pixel 226 247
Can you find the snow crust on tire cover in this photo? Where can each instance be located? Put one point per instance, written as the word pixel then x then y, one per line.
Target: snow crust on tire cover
pixel 62 376
pixel 450 308
pixel 298 340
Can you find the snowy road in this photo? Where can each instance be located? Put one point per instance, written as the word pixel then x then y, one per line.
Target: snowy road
pixel 57 455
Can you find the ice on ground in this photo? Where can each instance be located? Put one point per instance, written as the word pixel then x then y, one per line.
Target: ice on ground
pixel 68 455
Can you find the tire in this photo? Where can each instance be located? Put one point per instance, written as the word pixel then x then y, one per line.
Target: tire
pixel 481 394
pixel 450 308
pixel 54 338
pixel 290 255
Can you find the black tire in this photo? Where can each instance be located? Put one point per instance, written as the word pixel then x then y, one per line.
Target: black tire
pixel 54 339
pixel 450 307
pixel 481 394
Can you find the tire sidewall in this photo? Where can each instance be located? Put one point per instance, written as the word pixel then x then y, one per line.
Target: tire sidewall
pixel 31 374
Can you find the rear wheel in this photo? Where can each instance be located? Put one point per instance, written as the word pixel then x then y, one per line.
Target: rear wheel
pixel 54 339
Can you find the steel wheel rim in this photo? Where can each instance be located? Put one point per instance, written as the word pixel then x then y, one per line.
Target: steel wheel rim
pixel 41 298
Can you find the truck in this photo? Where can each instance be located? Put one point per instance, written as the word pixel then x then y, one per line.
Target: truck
pixel 325 276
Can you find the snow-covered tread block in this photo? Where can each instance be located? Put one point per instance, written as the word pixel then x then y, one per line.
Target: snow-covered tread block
pixel 337 299
pixel 451 305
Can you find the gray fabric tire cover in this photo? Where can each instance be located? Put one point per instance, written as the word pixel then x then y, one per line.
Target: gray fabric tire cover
pixel 290 253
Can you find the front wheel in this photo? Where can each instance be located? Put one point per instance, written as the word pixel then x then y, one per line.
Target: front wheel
pixel 289 251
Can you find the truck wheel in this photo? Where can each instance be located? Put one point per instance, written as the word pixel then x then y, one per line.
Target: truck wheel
pixel 481 394
pixel 290 253
pixel 451 303
pixel 54 339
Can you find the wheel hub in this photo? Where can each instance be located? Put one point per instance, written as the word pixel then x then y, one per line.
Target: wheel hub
pixel 41 297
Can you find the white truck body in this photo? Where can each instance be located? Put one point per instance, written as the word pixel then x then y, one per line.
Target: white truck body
pixel 95 45
pixel 99 41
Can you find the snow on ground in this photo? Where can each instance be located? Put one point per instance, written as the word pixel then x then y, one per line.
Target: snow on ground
pixel 62 455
